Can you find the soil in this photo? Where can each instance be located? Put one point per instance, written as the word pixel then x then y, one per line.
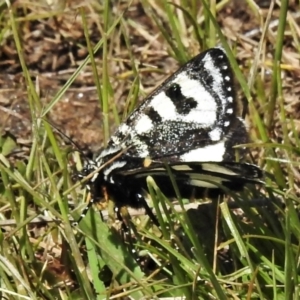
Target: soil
pixel 55 46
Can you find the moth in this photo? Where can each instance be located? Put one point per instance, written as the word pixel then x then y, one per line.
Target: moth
pixel 189 123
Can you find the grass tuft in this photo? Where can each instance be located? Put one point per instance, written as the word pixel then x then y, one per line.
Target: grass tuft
pixel 107 56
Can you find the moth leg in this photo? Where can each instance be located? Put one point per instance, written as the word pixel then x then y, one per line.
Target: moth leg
pixel 92 201
pixel 84 211
pixel 140 203
pixel 124 216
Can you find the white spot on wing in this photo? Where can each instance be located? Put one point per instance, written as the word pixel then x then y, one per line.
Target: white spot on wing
pixel 209 153
pixel 144 124
pixel 215 134
pixel 123 128
pixel 205 112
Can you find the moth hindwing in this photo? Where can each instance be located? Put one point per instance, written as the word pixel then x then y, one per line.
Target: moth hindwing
pixel 189 122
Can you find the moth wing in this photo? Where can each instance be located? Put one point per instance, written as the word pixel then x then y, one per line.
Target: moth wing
pixel 203 175
pixel 195 108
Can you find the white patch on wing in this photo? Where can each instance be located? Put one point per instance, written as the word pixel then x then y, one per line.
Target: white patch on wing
pixel 185 168
pixel 124 129
pixel 208 153
pixel 211 167
pixel 142 150
pixel 115 165
pixel 215 134
pixel 108 151
pixel 143 125
pixel 140 147
pixel 204 114
pixel 115 139
pixel 164 106
pixel 204 182
pixel 206 111
pixel 218 79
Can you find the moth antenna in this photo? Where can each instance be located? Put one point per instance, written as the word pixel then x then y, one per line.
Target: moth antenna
pixel 66 138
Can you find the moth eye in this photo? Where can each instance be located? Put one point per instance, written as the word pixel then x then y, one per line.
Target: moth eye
pixel 174 91
pixel 84 172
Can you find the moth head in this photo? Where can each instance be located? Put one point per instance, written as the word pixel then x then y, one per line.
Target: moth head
pixel 89 166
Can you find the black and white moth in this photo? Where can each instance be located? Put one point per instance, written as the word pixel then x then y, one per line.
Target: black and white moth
pixel 191 123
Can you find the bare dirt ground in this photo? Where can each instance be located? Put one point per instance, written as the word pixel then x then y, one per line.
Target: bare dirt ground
pixel 55 46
